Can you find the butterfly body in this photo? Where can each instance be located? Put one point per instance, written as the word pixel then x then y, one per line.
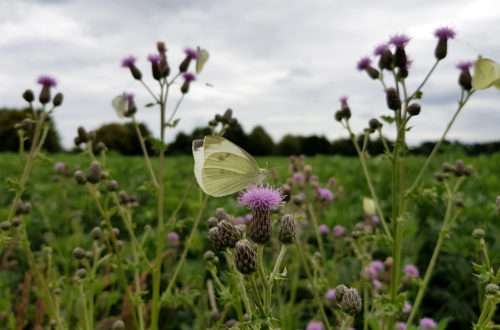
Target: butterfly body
pixel 222 168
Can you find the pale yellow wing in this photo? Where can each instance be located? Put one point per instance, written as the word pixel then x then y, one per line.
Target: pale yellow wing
pixel 225 173
pixel 486 74
pixel 219 144
pixel 198 154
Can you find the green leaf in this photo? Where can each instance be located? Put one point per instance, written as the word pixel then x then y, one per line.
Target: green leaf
pixel 157 144
pixel 173 124
pixel 44 158
pixel 12 184
pixel 149 105
pixel 388 119
pixel 202 59
pixel 418 95
pixel 149 187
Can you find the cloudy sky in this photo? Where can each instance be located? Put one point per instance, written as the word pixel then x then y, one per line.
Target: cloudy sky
pixel 282 64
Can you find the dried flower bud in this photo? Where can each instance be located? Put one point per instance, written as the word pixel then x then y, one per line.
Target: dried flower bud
pixel 94 173
pixel 216 239
pixel 393 100
pixel 260 227
pixel 491 289
pixel 112 185
pixel 287 230
pixel 81 273
pixel 118 325
pixel 28 95
pixel 16 222
pixel 245 257
pixel 58 99
pixel 340 290
pixel 228 233
pixel 414 109
pixel 5 225
pixel 478 233
pixel 80 177
pixel 351 302
pixel 96 233
pixel 79 253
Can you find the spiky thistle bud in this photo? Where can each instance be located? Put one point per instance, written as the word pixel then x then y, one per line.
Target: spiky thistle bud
pixel 459 168
pixel 468 170
pixel 245 257
pixel 96 233
pixel 387 60
pixel 112 185
pixel 491 289
pixel 80 177
pixel 447 167
pixel 414 109
pixel 393 100
pixel 16 222
pixel 287 230
pixel 81 273
pixel 212 222
pixel 478 233
pixel 228 233
pixel 28 95
pixel 260 227
pixel 94 173
pixel 216 239
pixel 227 116
pixel 129 62
pixel 351 302
pixel 443 34
pixel 5 225
pixel 438 176
pixel 374 124
pixel 220 214
pixel 46 82
pixel 188 78
pixel 208 255
pixel 79 253
pixel 58 99
pixel 191 54
pixel 340 290
pixel 118 325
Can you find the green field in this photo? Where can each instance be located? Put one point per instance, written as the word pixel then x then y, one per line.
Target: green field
pixel 63 214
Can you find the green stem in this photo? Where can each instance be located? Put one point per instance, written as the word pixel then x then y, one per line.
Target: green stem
pixel 424 81
pixel 145 152
pixel 365 307
pixel 256 293
pixel 263 278
pixel 277 264
pixel 316 231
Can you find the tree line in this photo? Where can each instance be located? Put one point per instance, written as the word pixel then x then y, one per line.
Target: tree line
pixel 123 139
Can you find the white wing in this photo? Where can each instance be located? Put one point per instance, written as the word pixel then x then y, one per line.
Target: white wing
pixel 198 152
pixel 120 105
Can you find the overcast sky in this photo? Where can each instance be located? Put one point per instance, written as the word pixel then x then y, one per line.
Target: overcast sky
pixel 282 64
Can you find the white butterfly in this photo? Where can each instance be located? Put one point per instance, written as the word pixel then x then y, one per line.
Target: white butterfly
pixel 222 168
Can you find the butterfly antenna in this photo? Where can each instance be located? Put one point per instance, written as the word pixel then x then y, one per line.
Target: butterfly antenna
pixel 267 165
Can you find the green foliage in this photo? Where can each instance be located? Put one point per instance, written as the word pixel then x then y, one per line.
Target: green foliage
pixel 123 138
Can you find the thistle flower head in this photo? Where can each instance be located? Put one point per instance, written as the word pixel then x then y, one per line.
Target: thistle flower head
pixel 191 53
pixel 59 166
pixel 343 101
pixel 128 62
pixel 323 229
pixel 128 96
pixel 47 81
pixel 298 177
pixel 338 231
pixel 376 284
pixel 407 307
pixel 363 63
pixel 399 40
pixel 324 194
pixel 188 76
pixel 261 198
pixel 445 33
pixel 173 237
pixel 400 326
pixel 315 326
pixel 428 323
pixel 464 65
pixel 380 49
pixel 411 270
pixel 330 295
pixel 351 302
pixel 154 58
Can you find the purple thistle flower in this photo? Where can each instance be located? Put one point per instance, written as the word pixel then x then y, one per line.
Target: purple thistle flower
pixel 338 231
pixel 374 219
pixel 465 65
pixel 239 220
pixel 300 197
pixel 59 166
pixel 191 53
pixel 324 194
pixel 261 198
pixel 428 323
pixel 409 62
pixel 380 49
pixel 411 270
pixel 173 237
pixel 128 96
pixel 248 217
pixel 154 58
pixel 330 295
pixel 445 33
pixel 407 307
pixel 374 268
pixel 315 326
pixel 188 76
pixel 399 40
pixel 128 62
pixel 343 101
pixel 47 81
pixel 298 177
pixel 363 63
pixel 323 229
pixel 401 326
pixel 376 284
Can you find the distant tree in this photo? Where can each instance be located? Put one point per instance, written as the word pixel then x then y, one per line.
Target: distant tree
pixel 9 139
pixel 123 138
pixel 181 145
pixel 343 147
pixel 259 142
pixel 200 132
pixel 312 145
pixel 289 145
pixel 237 135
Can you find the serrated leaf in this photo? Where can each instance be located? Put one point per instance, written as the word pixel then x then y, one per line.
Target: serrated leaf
pixel 12 184
pixel 173 124
pixel 150 187
pixel 388 119
pixel 157 144
pixel 409 128
pixel 203 56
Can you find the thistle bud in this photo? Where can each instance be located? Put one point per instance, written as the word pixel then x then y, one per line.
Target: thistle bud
pixel 339 115
pixel 414 109
pixel 459 202
pixel 80 177
pixel 94 173
pixel 260 227
pixel 118 325
pixel 443 34
pixel 46 82
pixel 438 176
pixel 212 222
pixel 459 168
pixel 5 225
pixel 16 222
pixel 221 214
pixel 53 324
pixel 79 253
pixel 228 114
pixel 374 124
pixel 478 233
pixel 96 233
pixel 372 72
pixel 400 58
pixel 386 60
pixel 212 123
pixel 188 78
pixel 468 170
pixel 340 290
pixel 465 80
pixel 351 302
pixel 82 134
pixel 28 95
pixel 216 239
pixel 112 185
pixel 287 230
pixel 26 124
pixel 101 147
pixel 228 233
pixel 393 100
pixel 81 273
pixel 58 99
pixel 233 122
pixel 208 255
pixel 447 167
pixel 245 257
pixel 491 289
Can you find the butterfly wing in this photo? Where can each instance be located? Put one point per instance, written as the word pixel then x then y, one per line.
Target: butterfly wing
pixel 225 173
pixel 198 154
pixel 120 105
pixel 486 74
